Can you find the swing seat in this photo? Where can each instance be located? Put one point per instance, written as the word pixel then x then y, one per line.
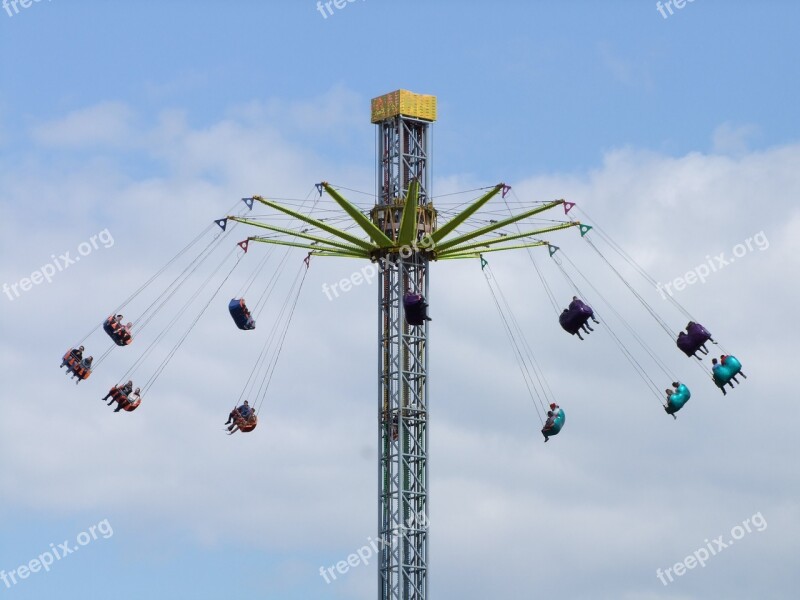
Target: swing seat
pixel 241 315
pixel 579 304
pixel 678 399
pixel 118 333
pixel 246 424
pixel 416 309
pixel 558 423
pixel 727 370
pixel 732 363
pixel 697 330
pixel 123 400
pixel 132 406
pixel 75 367
pixel 690 342
pixel 574 318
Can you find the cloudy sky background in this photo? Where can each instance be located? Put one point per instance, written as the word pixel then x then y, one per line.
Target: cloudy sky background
pixel 680 136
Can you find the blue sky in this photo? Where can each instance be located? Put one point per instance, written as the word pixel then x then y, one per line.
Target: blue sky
pixel 548 79
pixel 681 135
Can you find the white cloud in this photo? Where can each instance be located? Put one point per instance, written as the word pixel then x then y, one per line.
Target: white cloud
pixel 625 70
pixel 108 124
pixel 622 491
pixel 733 139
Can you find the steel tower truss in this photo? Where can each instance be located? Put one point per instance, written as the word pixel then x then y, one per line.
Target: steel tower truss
pixel 403 364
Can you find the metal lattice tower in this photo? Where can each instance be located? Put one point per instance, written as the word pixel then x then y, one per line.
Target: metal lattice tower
pixel 403 237
pixel 403 364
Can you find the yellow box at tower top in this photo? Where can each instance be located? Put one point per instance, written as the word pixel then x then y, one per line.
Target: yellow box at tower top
pixel 405 103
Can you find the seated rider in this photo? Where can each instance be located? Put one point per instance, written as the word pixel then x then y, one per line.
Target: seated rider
pixel 86 363
pixel 124 390
pixel 575 318
pixel 550 425
pixel 684 342
pixel 78 353
pixel 724 359
pixel 244 411
pixel 676 398
pixel 697 330
pixel 564 320
pixel 246 416
pixel 578 303
pixel 416 309
pixel 719 372
pixel 131 398
pixel 551 420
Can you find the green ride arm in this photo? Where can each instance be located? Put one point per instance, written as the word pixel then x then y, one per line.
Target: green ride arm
pixel 499 225
pixel 510 238
pixel 377 236
pixel 445 229
pixel 316 223
pixel 306 246
pixel 299 234
pixel 477 253
pixel 408 224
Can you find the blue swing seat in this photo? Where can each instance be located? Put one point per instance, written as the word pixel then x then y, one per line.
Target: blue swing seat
pixel 241 316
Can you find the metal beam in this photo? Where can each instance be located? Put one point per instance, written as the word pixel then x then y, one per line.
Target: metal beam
pixel 509 238
pixel 265 240
pixel 499 225
pixel 316 223
pixel 377 236
pixel 337 254
pixel 408 224
pixel 300 234
pixel 445 229
pixel 477 253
